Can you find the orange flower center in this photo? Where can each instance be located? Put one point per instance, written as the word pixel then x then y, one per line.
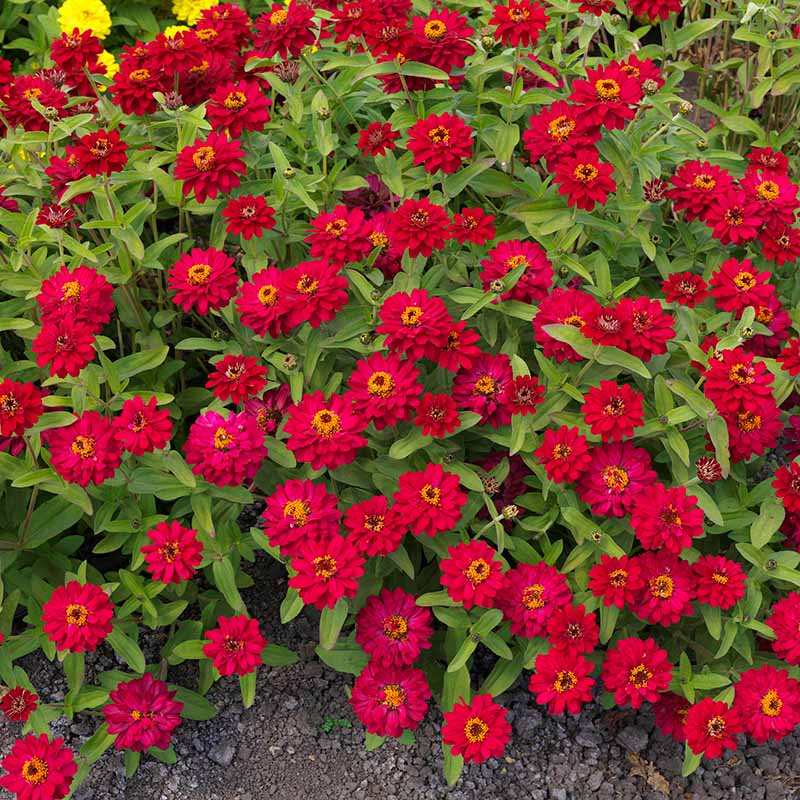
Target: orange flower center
pixel 618 578
pixel 139 75
pixel 170 552
pixel 435 29
pixel 640 676
pixel 223 439
pixel 34 771
pixel 77 614
pixel 771 703
pixel 374 522
pixel 560 128
pixel 748 422
pixel 235 100
pixel 298 510
pixel 325 567
pixel 704 182
pixel 518 14
pixel 204 158
pixel 565 680
pixel 615 407
pixel 670 516
pixel 607 89
pixel 378 239
pixel 419 218
pixel 393 696
pixel 412 316
pixel 574 320
pixel 396 627
pixel 30 94
pixel 278 17
pixel 380 384
pixel 71 290
pixel 740 373
pixel 533 597
pixel 430 495
pixel 478 571
pixel 326 423
pixel 561 452
pixel 475 730
pixel 83 446
pixel 198 274
pixel 101 148
pixel 661 586
pixel 307 284
pixel 616 479
pixel 485 385
pixel 768 190
pixel 337 227
pixel 268 295
pixel 744 281
pixel 585 173
pixel 715 727
pixel 439 134
pixel 719 578
pixel 734 216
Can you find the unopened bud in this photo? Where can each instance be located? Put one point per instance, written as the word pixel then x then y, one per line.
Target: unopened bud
pixel 747 333
pixel 702 144
pixel 289 361
pixel 51 113
pixel 596 536
pixel 563 272
pixel 650 86
pixel 771 564
pixel 324 112
pixel 685 107
pixel 510 512
pixel 772 35
pixel 289 173
pixel 497 285
pixel 487 42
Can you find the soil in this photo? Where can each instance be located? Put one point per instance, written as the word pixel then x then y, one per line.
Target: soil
pixel 301 741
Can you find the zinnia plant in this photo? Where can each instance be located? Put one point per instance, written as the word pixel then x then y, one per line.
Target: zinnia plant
pixel 486 310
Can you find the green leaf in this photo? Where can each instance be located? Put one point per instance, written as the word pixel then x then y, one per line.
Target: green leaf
pixel 49 519
pixel 291 605
pixel 132 759
pixel 330 623
pixel 128 366
pixel 769 520
pixel 127 650
pixel 74 669
pixel 713 619
pixel 195 706
pixel 345 657
pixel 608 621
pixel 191 649
pixel 691 761
pixel 410 443
pixel 440 598
pixel 225 580
pixel 718 431
pixel 372 741
pixel 503 676
pixel 489 620
pixel 275 655
pixel 453 765
pixel 97 744
pixel 463 654
pixel 247 684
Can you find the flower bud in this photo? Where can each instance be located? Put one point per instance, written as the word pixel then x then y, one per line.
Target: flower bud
pixel 289 173
pixel 596 536
pixel 497 286
pixel 323 113
pixel 563 272
pixel 649 86
pixel 510 512
pixel 772 35
pixel 289 361
pixel 702 144
pixel 685 107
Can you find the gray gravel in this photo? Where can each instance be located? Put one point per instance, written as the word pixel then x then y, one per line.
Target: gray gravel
pixel 279 749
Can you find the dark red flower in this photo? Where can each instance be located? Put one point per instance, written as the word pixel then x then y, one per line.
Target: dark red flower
pixel 20 407
pixel 373 528
pixel 340 236
pixel 384 389
pixel 249 216
pixel 390 699
pixel 141 427
pixel 472 574
pixel 618 580
pixel 784 619
pixel 419 226
pixel 210 166
pixel 636 670
pixel 646 327
pixel 473 225
pixel 481 387
pixel 666 517
pixel 697 187
pixel 39 769
pixel 18 102
pixel 670 715
pixel 269 409
pixel 18 704
pixel 654 9
pixel 285 30
pixel 712 727
pixel 685 288
pixel 738 284
pixel 563 307
pixel 236 378
pixel 719 582
pixel 564 454
pixel 101 153
pixel 613 410
pixel 442 39
pixel 235 645
pixel 86 451
pixel 584 179
pixel 561 681
pixel 734 218
pixel 263 306
pixel 476 730
pixel 324 432
pixel 779 244
pixel 238 106
pixel 708 469
pixel 460 348
pixel 519 22
pixel 734 380
pixel 174 552
pixel 65 345
pixel 522 395
pixel 74 51
pixel 768 702
pixel 327 569
pixel 437 415
pixel 666 595
pixel 767 158
pixel 77 617
pixel 775 194
pixel 133 86
pixel 54 216
pixel 557 131
pixel 313 292
pixel 535 592
pixel 607 95
pixel 377 138
pixel 789 357
pixel 415 324
pixel 392 628
pixel 430 500
pixel 572 630
pixel 537 271
pixel 203 280
pixel 80 295
pixel 440 142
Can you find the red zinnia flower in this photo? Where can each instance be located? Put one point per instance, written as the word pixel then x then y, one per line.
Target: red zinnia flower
pixel 74 51
pixel 654 9
pixel 472 575
pixel 557 131
pixel 708 469
pixel 65 345
pixel 419 226
pixel 101 153
pixel 236 378
pixel 572 630
pixel 141 427
pixel 775 194
pixel 225 450
pixel 18 102
pixel 384 389
pixel 519 22
pixel 596 7
pixel 737 284
pixel 142 713
pixel 670 715
pixel 392 629
pixel 235 645
pixel 537 275
pixel 767 158
pixel 564 454
pixel 768 702
pixel 324 432
pixel 313 291
pixel 734 218
pixel 481 387
pixel 377 138
pixel 473 225
pixel 373 528
pixel 584 178
pixel 437 415
pixel 641 71
pixel 789 357
pixel 752 431
pixel 326 569
pixel 666 517
pixel 697 187
pixel 237 107
pixel 39 769
pixel 666 596
pixel 787 486
pixel 430 500
pixel 210 166
pixel 612 410
pixel 618 580
pixel 607 96
pixel 340 236
pixel 646 327
pixel 269 409
pixel 685 288
pixel 476 730
pixel 460 348
pixel 415 324
pixel 62 171
pixel 248 215
pixel 133 86
pixel 262 305
pixel 522 395
pixel 285 30
pixel 20 407
pixel 607 325
pixel 440 142
pixel 79 295
pixel 18 704
pixel 174 554
pixel 561 681
pixel 443 39
pixel 87 451
pixel 636 670
pixel 77 617
pixel 535 592
pixel 615 475
pixel 779 244
pixel 734 380
pixel 390 699
pixel 298 510
pixel 562 307
pixel 203 280
pixel 54 216
pixel 711 727
pixel 784 619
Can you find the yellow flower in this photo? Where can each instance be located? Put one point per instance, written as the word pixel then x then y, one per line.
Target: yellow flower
pixel 110 63
pixel 173 30
pixel 85 15
pixel 190 10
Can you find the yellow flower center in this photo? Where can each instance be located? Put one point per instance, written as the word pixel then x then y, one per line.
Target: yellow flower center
pixel 607 89
pixel 431 494
pixel 396 627
pixel 574 320
pixel 34 771
pixel 475 730
pixel 337 227
pixel 77 614
pixel 198 274
pixel 585 173
pixel 618 578
pixel 393 696
pixel 298 510
pixel 235 100
pixel 326 423
pixel 71 290
pixel 744 281
pixel 768 190
pixel 565 680
pixel 615 407
pixel 704 182
pixel 378 239
pixel 101 148
pixel 771 703
pixel 374 522
pixel 30 94
pixel 562 452
pixel 740 373
pixel 439 134
pixel 170 552
pixel 278 17
pixel 435 29
pixel 478 571
pixel 533 597
pixel 268 295
pixel 204 158
pixel 518 14
pixel 616 479
pixel 380 384
pixel 560 128
pixel 485 385
pixel 748 422
pixel 661 586
pixel 411 316
pixel 325 567
pixel 307 284
pixel 719 578
pixel 223 439
pixel 640 676
pixel 83 446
